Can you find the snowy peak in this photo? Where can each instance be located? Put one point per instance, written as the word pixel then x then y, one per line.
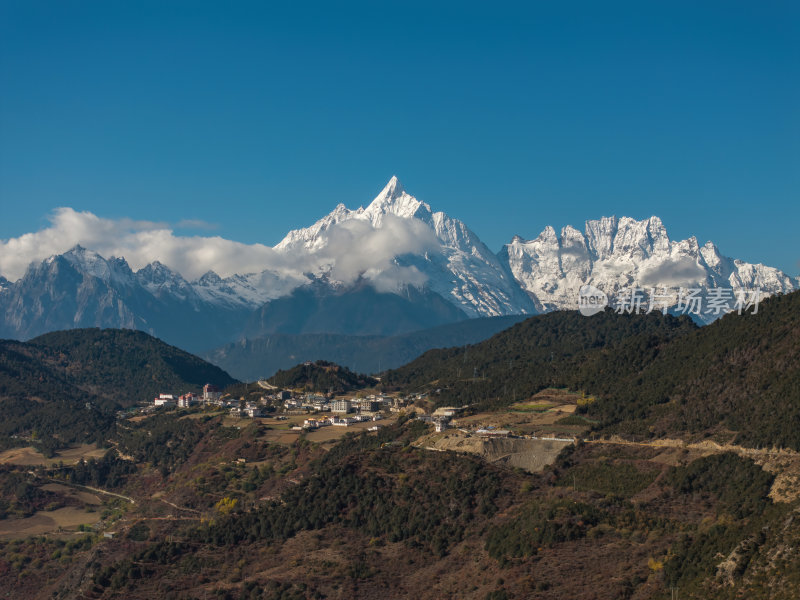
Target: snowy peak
pixel 393 188
pixel 311 237
pixel 460 268
pixel 90 263
pixel 158 274
pixel 396 244
pixel 620 253
pixel 394 200
pixel 639 239
pixel 600 236
pixel 209 278
pixel 606 237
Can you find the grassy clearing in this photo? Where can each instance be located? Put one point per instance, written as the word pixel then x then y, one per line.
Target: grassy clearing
pixel 531 407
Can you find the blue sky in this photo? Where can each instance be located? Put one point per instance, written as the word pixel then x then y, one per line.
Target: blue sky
pixel 260 118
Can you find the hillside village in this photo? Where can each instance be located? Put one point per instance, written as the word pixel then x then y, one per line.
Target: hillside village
pixel 281 404
pixel 323 410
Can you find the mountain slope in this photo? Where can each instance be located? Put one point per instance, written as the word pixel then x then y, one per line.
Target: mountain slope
pixel 543 351
pixel 67 385
pixel 320 376
pixel 359 310
pixel 125 366
pixel 251 359
pixel 653 375
pixel 740 375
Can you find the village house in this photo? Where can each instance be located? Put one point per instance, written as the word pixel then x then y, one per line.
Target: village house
pixel 369 405
pixel 253 411
pixel 188 400
pixel 164 400
pixel 250 410
pixel 211 394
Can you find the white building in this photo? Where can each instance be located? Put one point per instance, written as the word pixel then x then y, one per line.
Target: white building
pixel 448 411
pixel 341 406
pixel 164 400
pixel 188 400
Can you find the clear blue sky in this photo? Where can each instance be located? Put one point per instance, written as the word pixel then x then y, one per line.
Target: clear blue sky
pixel 261 117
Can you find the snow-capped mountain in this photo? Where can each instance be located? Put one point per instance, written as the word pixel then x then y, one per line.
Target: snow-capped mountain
pixel 461 268
pixel 396 264
pixel 616 255
pixel 80 288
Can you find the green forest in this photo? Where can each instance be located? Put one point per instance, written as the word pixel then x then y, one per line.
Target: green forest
pixel 321 376
pixel 653 375
pixel 64 388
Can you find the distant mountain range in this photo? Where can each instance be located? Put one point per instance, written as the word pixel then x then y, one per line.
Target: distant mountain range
pixel 255 358
pixel 441 273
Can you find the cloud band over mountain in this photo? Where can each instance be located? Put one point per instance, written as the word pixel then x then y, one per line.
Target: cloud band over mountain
pixel 352 249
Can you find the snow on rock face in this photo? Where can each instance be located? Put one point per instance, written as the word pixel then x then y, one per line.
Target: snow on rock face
pixel 461 268
pixel 310 237
pixel 114 270
pixel 248 290
pixel 545 273
pixel 617 254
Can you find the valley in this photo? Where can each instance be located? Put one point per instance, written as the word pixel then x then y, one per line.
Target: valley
pixel 540 462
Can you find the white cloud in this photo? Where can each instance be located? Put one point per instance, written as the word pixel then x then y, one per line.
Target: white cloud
pixel 352 249
pixel 357 249
pixel 139 242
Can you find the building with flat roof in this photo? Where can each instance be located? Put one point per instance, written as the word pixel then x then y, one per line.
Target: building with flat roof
pixel 341 406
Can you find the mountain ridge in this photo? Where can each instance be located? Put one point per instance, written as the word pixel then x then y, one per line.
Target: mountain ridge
pixel 394 244
pixel 249 359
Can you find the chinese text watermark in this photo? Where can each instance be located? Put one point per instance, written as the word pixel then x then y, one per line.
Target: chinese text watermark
pixel 710 302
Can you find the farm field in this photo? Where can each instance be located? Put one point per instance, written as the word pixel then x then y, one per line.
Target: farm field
pixel 30 457
pixel 67 518
pixel 540 415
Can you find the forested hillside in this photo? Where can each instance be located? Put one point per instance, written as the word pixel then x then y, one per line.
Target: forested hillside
pixel 320 376
pixel 740 374
pixel 544 351
pixel 652 375
pixel 204 504
pixel 124 365
pixel 64 387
